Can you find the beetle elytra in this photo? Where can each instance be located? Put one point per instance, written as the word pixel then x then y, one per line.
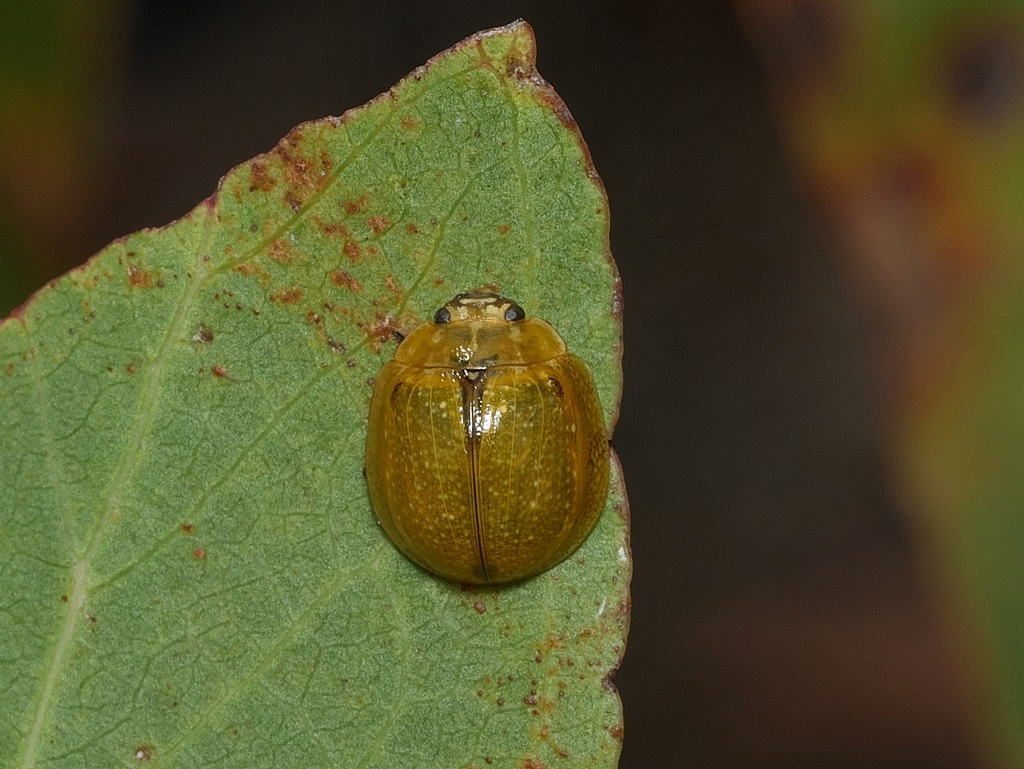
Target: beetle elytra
pixel 487 457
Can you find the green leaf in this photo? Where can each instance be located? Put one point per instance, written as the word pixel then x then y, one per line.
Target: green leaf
pixel 190 570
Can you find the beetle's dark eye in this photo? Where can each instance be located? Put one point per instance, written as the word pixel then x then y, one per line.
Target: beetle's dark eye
pixel 514 312
pixel 442 315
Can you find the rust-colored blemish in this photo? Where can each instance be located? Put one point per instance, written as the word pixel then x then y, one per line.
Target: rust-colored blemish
pixel 259 177
pixel 219 371
pixel 480 607
pixel 250 269
pixel 393 287
pixel 188 528
pixel 281 251
pixel 63 599
pixel 199 554
pixel 345 279
pixel 291 295
pixel 139 278
pixel 382 329
pixel 302 173
pixel 332 228
pixel 504 228
pixel 354 206
pixel 204 334
pixel 293 201
pixel 10 369
pixel 371 249
pixel 351 251
pixel 130 368
pixel 411 228
pixel 410 122
pixel 378 224
pixel 562 752
pixel 313 318
pixel 532 763
pixel 616 731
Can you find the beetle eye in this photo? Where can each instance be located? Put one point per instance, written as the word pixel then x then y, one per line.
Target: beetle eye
pixel 442 315
pixel 514 312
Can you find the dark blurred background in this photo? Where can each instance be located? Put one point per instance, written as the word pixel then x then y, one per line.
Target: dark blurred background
pixel 777 617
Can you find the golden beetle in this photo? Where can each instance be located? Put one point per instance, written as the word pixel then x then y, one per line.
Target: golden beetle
pixel 486 453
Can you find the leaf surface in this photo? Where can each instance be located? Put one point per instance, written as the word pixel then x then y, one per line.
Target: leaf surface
pixel 191 573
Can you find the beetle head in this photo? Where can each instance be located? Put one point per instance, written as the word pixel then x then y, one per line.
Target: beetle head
pixel 480 304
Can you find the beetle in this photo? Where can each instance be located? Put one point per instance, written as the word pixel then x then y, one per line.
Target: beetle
pixel 487 457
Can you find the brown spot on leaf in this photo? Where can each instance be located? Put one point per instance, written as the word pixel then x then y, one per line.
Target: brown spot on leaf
pixel 199 554
pixel 204 334
pixel 281 251
pixel 139 278
pixel 378 224
pixel 293 201
pixel 480 607
pixel 332 228
pixel 259 178
pixel 352 251
pixel 411 228
pixel 616 731
pixel 393 287
pixel 130 368
pixel 345 279
pixel 383 328
pixel 188 528
pixel 143 753
pixel 291 295
pixel 301 174
pixel 63 599
pixel 533 763
pixel 249 269
pixel 410 122
pixel 503 228
pixel 354 206
pixel 219 371
pixel 313 318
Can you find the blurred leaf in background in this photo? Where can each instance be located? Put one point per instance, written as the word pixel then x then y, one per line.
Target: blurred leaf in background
pixel 59 79
pixel 906 122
